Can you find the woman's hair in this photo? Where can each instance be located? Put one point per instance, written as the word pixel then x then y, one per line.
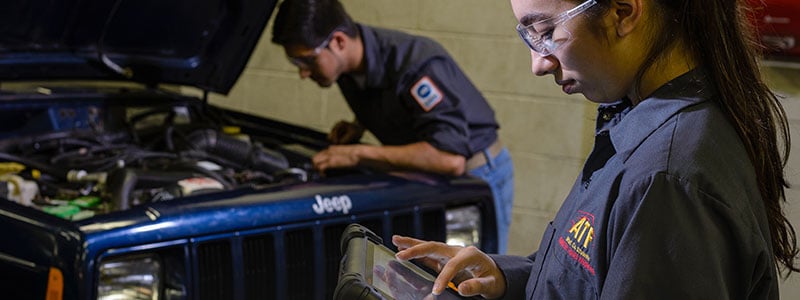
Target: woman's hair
pixel 722 41
pixel 309 22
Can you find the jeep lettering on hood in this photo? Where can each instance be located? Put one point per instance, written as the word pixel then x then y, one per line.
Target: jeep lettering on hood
pixel 328 205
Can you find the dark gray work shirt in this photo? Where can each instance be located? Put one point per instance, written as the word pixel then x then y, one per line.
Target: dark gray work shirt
pixel 667 208
pixel 414 91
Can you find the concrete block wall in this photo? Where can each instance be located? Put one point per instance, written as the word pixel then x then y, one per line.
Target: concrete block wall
pixel 785 81
pixel 549 133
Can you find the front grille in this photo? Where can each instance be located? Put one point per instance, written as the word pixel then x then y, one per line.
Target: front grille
pixel 214 267
pixel 298 261
pixel 258 254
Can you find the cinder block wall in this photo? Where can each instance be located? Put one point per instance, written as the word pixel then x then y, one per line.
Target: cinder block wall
pixel 786 82
pixel 549 133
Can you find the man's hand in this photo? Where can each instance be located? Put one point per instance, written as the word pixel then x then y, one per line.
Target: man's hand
pixel 475 272
pixel 345 133
pixel 420 156
pixel 346 156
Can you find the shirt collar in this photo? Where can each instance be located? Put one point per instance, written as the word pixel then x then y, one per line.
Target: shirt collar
pixel 642 120
pixel 372 58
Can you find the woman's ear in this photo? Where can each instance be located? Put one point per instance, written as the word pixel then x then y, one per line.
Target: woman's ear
pixel 628 15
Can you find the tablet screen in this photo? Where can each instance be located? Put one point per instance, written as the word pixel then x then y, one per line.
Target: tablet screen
pixel 402 280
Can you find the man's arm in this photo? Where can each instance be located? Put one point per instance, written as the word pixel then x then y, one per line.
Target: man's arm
pixel 417 156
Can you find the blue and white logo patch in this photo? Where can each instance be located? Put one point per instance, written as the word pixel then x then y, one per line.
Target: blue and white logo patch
pixel 426 93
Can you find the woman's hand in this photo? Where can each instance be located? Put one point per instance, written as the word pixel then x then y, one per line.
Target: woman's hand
pixel 474 271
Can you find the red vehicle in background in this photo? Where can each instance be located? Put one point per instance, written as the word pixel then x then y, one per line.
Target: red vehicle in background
pixel 778 25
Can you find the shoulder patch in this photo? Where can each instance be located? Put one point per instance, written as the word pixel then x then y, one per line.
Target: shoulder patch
pixel 426 93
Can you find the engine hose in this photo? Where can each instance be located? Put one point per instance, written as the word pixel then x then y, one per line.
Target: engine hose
pixel 122 182
pixel 237 151
pixel 49 169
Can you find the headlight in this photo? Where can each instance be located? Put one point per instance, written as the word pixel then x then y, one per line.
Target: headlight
pixel 130 278
pixel 464 226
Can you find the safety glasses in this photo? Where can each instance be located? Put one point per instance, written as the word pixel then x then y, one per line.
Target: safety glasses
pixel 539 35
pixel 307 61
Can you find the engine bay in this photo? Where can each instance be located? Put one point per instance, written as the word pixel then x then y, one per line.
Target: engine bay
pixel 78 158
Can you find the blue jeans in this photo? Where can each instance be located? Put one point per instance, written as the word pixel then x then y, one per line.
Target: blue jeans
pixel 499 174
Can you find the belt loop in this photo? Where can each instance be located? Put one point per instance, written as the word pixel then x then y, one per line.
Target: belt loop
pixel 489 158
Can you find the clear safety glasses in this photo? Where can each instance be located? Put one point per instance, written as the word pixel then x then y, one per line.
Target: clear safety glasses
pixel 539 35
pixel 306 61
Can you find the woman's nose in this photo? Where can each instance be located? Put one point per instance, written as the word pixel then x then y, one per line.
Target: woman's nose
pixel 543 65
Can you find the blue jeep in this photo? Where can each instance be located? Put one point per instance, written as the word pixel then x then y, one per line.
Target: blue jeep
pixel 118 186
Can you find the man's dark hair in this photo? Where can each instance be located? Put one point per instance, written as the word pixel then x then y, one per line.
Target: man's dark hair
pixel 309 22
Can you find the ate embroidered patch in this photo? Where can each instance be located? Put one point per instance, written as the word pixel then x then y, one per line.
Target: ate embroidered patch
pixel 426 93
pixel 577 241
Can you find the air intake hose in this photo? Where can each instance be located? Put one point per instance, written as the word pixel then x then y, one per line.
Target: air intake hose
pixel 233 150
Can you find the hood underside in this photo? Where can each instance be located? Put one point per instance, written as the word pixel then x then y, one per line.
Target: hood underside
pixel 201 43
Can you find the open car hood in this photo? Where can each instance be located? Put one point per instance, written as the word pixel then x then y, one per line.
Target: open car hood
pixel 201 43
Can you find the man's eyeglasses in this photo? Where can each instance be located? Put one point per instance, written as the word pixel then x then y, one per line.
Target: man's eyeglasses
pixel 539 35
pixel 306 61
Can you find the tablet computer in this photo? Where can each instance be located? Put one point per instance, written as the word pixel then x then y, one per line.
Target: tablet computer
pixel 369 270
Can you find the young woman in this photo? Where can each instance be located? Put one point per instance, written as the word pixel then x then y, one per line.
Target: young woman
pixel 681 195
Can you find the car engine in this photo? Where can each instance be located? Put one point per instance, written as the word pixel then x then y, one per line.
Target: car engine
pixel 78 160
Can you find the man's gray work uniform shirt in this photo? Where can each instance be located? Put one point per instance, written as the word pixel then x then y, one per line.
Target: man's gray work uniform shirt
pixel 413 91
pixel 667 208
